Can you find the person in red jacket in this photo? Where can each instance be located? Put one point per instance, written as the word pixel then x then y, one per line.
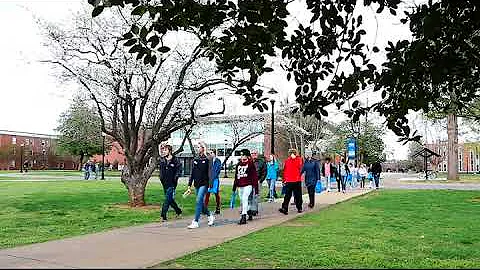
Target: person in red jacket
pixel 246 180
pixel 292 171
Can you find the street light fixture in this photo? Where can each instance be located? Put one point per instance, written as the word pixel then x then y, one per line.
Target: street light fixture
pixel 21 157
pixel 103 155
pixel 272 138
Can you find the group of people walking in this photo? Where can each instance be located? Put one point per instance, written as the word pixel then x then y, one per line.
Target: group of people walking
pixel 91 170
pixel 250 174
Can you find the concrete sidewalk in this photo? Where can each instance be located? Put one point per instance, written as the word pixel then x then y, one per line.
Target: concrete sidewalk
pixel 147 245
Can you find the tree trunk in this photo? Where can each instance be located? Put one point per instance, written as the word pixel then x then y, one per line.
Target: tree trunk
pixel 135 185
pixel 135 180
pixel 80 165
pixel 452 147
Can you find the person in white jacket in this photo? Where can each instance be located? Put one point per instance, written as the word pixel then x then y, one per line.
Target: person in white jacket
pixel 362 172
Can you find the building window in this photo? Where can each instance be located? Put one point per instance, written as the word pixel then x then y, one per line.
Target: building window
pixel 14 140
pixel 27 141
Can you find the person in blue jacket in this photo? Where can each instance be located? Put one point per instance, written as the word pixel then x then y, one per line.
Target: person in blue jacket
pixel 311 169
pixel 272 176
pixel 215 189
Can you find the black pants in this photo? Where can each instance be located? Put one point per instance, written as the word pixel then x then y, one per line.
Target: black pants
pixel 362 182
pixel 338 182
pixel 296 189
pixel 311 195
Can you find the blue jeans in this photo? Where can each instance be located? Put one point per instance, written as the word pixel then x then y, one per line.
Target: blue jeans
pixel 170 201
pixel 200 207
pixel 271 188
pixel 376 178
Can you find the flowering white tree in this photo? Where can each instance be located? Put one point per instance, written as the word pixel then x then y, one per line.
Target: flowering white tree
pixel 139 105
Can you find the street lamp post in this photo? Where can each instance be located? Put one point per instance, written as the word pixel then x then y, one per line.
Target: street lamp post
pixel 21 157
pixel 225 155
pixel 272 131
pixel 103 155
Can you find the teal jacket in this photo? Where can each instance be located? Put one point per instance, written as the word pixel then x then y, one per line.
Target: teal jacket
pixel 272 170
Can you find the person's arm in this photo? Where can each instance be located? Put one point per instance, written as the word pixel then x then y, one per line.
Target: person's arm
pixel 190 180
pixel 254 177
pixel 235 180
pixel 263 171
pixel 218 168
pixel 178 166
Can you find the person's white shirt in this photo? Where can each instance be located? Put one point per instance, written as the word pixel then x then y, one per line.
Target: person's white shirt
pixel 362 171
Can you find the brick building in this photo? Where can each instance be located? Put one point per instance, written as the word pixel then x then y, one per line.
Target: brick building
pixel 468 156
pixel 38 151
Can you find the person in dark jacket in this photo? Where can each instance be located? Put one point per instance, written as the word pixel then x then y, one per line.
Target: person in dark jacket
pixel 246 181
pixel 261 168
pixel 376 170
pixel 311 169
pixel 202 180
pixel 170 169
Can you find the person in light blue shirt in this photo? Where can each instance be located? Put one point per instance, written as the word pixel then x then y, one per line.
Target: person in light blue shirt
pixel 272 176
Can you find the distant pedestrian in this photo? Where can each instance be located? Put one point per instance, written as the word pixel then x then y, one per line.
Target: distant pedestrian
pixel 272 176
pixel 328 171
pixel 246 180
pixel 376 170
pixel 293 181
pixel 362 173
pixel 215 175
pixel 344 171
pixel 169 167
pixel 311 169
pixel 201 179
pixel 86 170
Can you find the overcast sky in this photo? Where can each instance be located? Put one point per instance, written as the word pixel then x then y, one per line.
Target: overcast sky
pixel 32 98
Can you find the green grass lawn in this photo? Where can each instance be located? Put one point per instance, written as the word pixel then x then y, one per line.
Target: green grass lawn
pixel 32 212
pixel 58 172
pixel 386 229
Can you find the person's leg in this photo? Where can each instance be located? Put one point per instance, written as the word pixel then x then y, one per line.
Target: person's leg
pixel 174 204
pixel 272 188
pixel 339 180
pixel 311 195
pixel 287 197
pixel 297 193
pixel 377 179
pixel 244 194
pixel 344 183
pixel 166 203
pixel 269 181
pixel 217 202
pixel 207 199
pixel 199 203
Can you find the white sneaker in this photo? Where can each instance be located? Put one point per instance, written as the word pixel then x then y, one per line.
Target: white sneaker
pixel 194 225
pixel 211 218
